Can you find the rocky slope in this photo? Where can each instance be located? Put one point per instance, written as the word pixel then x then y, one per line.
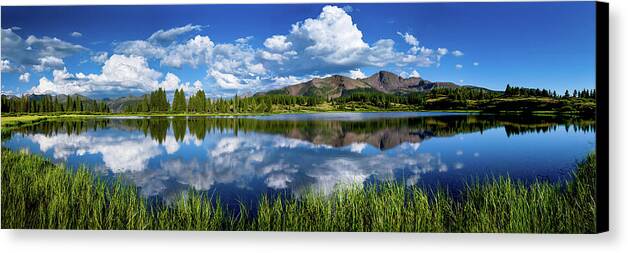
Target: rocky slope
pixel 382 81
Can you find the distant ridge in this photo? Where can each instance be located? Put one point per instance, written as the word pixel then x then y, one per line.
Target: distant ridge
pixel 382 81
pixel 328 87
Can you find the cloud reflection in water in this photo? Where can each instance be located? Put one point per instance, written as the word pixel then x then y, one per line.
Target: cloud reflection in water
pixel 279 162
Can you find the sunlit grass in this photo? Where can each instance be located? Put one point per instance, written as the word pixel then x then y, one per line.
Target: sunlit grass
pixel 38 194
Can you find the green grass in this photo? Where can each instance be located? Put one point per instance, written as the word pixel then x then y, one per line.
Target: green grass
pixel 41 195
pixel 9 122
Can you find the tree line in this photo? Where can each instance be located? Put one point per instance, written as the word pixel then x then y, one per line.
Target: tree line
pixel 156 101
pixel 49 103
pixel 384 100
pixel 512 91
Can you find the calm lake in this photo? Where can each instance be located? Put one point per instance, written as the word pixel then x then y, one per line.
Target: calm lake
pixel 241 157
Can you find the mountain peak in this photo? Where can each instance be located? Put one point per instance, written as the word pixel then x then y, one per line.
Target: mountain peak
pixel 390 82
pixel 383 81
pixel 386 73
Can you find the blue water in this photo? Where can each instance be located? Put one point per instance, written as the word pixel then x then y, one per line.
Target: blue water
pixel 239 158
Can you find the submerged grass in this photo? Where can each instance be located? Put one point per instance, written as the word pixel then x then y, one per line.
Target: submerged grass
pixel 37 194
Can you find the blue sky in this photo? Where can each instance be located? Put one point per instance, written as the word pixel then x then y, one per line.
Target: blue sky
pixel 109 51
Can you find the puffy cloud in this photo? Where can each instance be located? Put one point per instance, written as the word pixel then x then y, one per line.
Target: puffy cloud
pixel 409 38
pixel 170 83
pixel 6 66
pixel 457 53
pixel 440 52
pixel 162 45
pixel 415 74
pixel 235 66
pixel 119 73
pixel 25 77
pixel 47 46
pixel 332 37
pixel 420 56
pixel 168 36
pixel 197 85
pixel 383 53
pixel 272 56
pixel 76 34
pixel 42 53
pixel 49 62
pixel 244 40
pixel 357 74
pixel 100 57
pixel 277 43
pixel 226 81
pixel 140 48
pixel 459 66
pixel 195 51
pixel 128 71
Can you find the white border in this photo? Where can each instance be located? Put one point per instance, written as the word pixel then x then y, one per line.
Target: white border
pixel 163 241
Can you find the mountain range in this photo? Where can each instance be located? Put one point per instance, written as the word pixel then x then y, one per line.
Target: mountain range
pixel 328 87
pixel 382 81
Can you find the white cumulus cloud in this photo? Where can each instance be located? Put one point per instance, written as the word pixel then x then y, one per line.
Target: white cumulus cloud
pixel 415 73
pixel 119 73
pixel 25 77
pixel 195 51
pixel 277 43
pixel 40 53
pixel 100 57
pixel 457 53
pixel 409 38
pixel 357 74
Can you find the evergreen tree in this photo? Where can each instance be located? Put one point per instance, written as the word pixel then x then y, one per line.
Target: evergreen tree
pixel 179 103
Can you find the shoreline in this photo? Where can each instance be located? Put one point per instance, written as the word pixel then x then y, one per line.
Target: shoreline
pixel 12 121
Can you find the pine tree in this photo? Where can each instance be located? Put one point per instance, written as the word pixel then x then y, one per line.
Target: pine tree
pixel 179 103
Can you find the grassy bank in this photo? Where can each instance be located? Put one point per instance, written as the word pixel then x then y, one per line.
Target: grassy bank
pixel 39 194
pixel 28 119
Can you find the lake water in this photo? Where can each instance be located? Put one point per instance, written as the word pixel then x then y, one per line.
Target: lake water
pixel 241 157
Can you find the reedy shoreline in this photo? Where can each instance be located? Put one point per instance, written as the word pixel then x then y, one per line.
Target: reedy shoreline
pixel 37 194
